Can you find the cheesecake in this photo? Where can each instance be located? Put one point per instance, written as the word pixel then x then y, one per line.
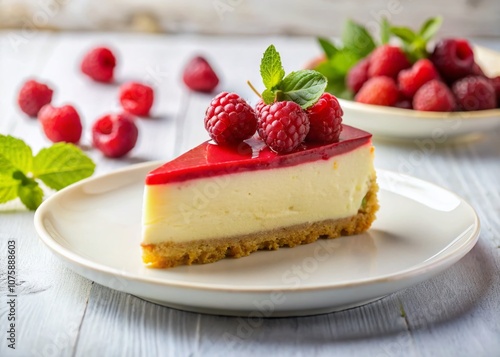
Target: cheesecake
pixel 216 201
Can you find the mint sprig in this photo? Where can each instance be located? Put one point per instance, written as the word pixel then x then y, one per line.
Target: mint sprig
pixel 415 43
pixel 303 87
pixel 57 167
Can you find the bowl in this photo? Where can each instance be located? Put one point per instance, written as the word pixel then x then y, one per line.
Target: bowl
pixel 397 123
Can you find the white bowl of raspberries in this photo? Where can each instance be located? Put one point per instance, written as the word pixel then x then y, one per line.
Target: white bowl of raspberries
pixel 402 86
pixel 436 97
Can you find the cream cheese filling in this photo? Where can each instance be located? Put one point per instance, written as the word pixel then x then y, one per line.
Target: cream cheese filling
pixel 249 202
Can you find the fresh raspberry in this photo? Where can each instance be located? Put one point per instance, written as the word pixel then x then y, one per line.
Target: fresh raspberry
pixel 379 91
pixel 387 61
pixel 474 93
pixel 325 118
pixel 495 82
pixel 283 126
pixel 410 80
pixel 199 75
pixel 259 106
pixel 115 134
pixel 136 98
pixel 358 75
pixel 434 96
pixel 453 58
pixel 33 96
pixel 61 123
pixel 229 119
pixel 99 64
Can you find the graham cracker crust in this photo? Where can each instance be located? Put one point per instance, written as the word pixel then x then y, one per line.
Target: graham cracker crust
pixel 168 254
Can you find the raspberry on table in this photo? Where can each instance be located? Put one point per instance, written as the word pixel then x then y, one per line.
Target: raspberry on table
pixel 115 134
pixel 434 96
pixel 453 58
pixel 199 76
pixel 229 119
pixel 61 123
pixel 358 75
pixel 325 119
pixel 387 60
pixel 33 96
pixel 474 93
pixel 378 91
pixel 476 70
pixel 404 104
pixel 136 98
pixel 411 79
pixel 99 64
pixel 283 126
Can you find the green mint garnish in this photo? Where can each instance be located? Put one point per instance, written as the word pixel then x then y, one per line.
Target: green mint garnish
pixel 303 87
pixel 328 47
pixel 57 167
pixel 357 39
pixel 415 43
pixel 385 31
pixel 271 69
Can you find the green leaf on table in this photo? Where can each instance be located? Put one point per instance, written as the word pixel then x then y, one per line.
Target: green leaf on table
pixel 61 165
pixel 385 31
pixel 14 155
pixel 304 87
pixel 357 39
pixel 271 69
pixel 328 47
pixel 430 28
pixel 31 194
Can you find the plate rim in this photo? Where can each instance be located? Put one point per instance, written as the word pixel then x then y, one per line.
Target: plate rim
pixel 453 255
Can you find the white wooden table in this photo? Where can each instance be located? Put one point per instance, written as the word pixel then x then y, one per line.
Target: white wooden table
pixel 62 314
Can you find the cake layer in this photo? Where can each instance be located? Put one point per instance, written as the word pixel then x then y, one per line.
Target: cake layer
pixel 170 254
pixel 209 160
pixel 242 203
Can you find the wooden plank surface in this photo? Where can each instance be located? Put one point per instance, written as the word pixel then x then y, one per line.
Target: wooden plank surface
pixel 61 314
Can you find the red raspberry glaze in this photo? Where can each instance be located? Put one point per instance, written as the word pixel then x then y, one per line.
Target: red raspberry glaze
pixel 209 159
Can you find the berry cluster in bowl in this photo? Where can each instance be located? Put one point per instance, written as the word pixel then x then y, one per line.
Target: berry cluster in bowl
pixel 293 109
pixel 411 75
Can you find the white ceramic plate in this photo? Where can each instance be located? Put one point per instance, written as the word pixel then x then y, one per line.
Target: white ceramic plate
pixel 395 123
pixel 95 228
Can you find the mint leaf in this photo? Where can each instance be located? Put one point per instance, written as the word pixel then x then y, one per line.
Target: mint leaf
pixel 61 165
pixel 328 47
pixel 430 28
pixel 404 33
pixel 304 87
pixel 31 194
pixel 357 39
pixel 8 188
pixel 14 155
pixel 268 96
pixel 385 31
pixel 343 61
pixel 271 69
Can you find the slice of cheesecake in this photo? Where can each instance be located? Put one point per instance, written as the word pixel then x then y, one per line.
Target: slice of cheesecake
pixel 214 202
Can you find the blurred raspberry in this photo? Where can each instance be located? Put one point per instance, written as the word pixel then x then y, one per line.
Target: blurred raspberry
pixel 358 75
pixel 199 76
pixel 434 96
pixel 99 64
pixel 387 61
pixel 453 58
pixel 476 70
pixel 33 96
pixel 410 80
pixel 495 82
pixel 61 123
pixel 379 91
pixel 136 98
pixel 474 93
